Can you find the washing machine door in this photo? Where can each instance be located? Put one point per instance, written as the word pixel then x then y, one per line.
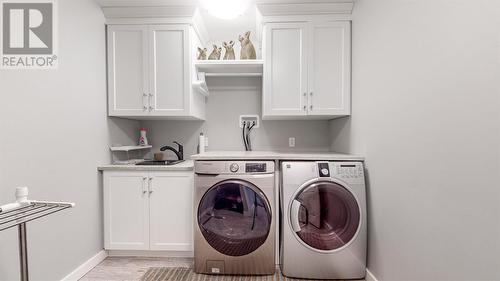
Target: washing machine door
pixel 325 215
pixel 234 216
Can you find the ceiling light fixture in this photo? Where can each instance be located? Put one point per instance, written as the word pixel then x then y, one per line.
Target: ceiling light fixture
pixel 225 9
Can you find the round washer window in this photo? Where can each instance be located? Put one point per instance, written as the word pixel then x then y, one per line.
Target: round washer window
pixel 234 217
pixel 328 216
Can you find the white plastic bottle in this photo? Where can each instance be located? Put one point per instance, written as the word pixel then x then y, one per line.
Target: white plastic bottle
pixel 143 140
pixel 201 143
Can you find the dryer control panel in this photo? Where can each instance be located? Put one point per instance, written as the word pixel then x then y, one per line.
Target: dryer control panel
pixel 348 171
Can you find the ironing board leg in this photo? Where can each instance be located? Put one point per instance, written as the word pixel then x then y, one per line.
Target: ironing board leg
pixel 23 252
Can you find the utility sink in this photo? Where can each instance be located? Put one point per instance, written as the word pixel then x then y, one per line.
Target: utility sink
pixel 159 163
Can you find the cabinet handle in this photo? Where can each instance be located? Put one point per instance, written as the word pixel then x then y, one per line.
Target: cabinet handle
pixel 305 97
pixel 144 107
pixel 150 98
pixel 150 185
pixel 144 185
pixel 311 100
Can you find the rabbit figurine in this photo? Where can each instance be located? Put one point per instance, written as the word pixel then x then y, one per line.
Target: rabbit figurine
pixel 229 54
pixel 247 48
pixel 216 53
pixel 202 53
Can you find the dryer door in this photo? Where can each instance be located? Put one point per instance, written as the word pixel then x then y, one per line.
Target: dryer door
pixel 234 216
pixel 325 215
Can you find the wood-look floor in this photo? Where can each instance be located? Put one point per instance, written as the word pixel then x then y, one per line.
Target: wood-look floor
pixel 131 268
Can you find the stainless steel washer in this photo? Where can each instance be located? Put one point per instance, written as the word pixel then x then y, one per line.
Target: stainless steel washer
pixel 234 229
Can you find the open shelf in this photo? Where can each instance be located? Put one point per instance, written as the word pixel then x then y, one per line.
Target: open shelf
pixel 230 68
pixel 130 147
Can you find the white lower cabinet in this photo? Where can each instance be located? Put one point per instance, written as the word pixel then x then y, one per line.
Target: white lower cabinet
pixel 148 210
pixel 171 212
pixel 126 211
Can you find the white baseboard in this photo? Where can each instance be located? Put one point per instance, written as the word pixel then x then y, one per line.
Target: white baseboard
pixel 150 254
pixel 80 271
pixel 370 276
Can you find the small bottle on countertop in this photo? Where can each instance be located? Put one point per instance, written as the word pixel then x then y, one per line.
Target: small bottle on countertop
pixel 201 144
pixel 143 140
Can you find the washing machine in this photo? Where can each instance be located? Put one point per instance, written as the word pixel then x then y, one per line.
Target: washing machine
pixel 323 228
pixel 234 229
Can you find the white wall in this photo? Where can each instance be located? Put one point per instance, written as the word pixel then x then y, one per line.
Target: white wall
pixel 54 132
pixel 221 30
pixel 426 116
pixel 230 98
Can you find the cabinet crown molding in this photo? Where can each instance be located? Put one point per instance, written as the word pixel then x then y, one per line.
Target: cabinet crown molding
pixel 149 11
pixel 154 12
pixel 273 8
pixel 125 3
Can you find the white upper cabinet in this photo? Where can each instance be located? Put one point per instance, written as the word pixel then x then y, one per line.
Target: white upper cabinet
pixel 329 69
pixel 306 70
pixel 150 72
pixel 170 65
pixel 128 70
pixel 285 72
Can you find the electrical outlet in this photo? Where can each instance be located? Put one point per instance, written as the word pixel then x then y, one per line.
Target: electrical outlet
pixel 291 142
pixel 252 119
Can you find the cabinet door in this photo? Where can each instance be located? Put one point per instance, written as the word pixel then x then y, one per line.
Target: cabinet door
pixel 128 70
pixel 171 211
pixel 169 57
pixel 126 211
pixel 329 69
pixel 285 71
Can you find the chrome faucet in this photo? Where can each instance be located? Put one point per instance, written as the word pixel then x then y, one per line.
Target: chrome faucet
pixel 179 152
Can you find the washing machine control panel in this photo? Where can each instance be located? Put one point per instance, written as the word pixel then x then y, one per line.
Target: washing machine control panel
pixel 324 170
pixel 234 167
pixel 230 167
pixel 255 167
pixel 249 167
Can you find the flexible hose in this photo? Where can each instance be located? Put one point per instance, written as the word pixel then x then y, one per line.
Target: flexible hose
pixel 244 138
pixel 248 137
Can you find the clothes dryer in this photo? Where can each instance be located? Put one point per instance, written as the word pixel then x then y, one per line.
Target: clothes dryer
pixel 323 225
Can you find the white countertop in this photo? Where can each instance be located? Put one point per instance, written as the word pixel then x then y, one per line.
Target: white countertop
pixel 273 155
pixel 187 165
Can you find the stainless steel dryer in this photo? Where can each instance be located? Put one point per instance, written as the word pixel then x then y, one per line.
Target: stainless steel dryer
pixel 234 229
pixel 323 229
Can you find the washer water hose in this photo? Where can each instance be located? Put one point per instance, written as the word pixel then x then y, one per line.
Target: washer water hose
pixel 244 137
pixel 247 128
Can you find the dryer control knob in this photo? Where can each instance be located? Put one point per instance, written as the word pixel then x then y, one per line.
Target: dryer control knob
pixel 234 168
pixel 324 172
